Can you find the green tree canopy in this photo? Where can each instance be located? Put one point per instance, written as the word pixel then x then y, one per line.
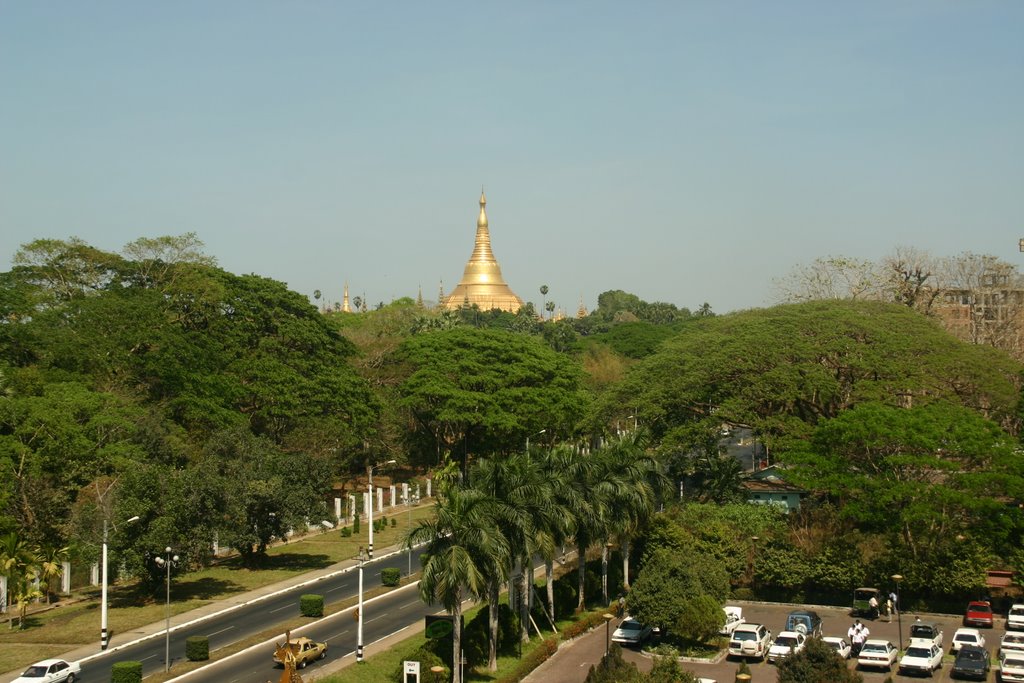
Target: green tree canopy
pixel 484 391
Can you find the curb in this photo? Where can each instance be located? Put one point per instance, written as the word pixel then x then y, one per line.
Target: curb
pixel 232 608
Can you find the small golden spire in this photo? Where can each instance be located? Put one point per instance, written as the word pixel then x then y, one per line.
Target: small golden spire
pixel 581 312
pixel 344 300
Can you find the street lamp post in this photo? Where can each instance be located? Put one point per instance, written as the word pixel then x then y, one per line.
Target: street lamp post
pixel 168 562
pixel 899 607
pixel 408 550
pixel 103 590
pixel 369 476
pixel 359 609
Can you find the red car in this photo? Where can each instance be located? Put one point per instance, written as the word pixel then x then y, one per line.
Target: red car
pixel 979 613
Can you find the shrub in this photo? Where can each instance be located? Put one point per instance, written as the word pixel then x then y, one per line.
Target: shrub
pixel 586 622
pixel 427 658
pixel 345 532
pixel 508 629
pixel 390 576
pixel 565 596
pixel 535 658
pixel 126 672
pixel 476 638
pixel 311 605
pixel 197 648
pixel 394 522
pixel 355 524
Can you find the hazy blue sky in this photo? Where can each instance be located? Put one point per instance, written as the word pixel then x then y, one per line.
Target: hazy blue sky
pixel 682 151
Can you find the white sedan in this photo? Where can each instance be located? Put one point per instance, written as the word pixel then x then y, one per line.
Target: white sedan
pixel 786 643
pixel 1012 641
pixel 967 636
pixel 631 632
pixel 922 656
pixel 1011 667
pixel 877 654
pixel 838 644
pixel 50 671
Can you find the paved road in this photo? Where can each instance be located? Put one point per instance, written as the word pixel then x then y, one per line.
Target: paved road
pixel 381 617
pixel 572 662
pixel 255 612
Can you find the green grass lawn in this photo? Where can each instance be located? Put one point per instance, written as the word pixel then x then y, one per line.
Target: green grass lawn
pixel 76 622
pixel 381 667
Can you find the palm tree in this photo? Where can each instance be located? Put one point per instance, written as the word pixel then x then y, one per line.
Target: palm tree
pixel 51 567
pixel 642 480
pixel 464 545
pixel 544 294
pixel 565 500
pixel 18 563
pixel 505 482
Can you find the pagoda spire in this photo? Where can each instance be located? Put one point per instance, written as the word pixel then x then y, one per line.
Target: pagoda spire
pixel 344 300
pixel 482 283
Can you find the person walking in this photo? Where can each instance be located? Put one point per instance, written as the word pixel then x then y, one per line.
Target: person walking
pixel 889 608
pixel 873 607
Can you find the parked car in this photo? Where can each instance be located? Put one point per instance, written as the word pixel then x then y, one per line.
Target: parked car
pixel 967 636
pixel 51 671
pixel 927 630
pixel 862 602
pixel 838 644
pixel 303 650
pixel 733 618
pixel 804 621
pixel 922 656
pixel 1011 667
pixel 786 643
pixel 1011 642
pixel 1015 617
pixel 631 632
pixel 971 662
pixel 750 640
pixel 877 654
pixel 978 613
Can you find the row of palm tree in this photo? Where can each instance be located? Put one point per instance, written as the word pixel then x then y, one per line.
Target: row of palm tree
pixel 30 571
pixel 489 526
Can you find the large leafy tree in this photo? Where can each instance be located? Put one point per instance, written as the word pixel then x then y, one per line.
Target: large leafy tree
pixel 484 391
pixel 681 591
pixel 784 369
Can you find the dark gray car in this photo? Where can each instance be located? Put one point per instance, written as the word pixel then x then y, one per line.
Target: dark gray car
pixel 804 621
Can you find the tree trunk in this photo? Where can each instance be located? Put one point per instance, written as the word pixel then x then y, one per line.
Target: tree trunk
pixel 625 564
pixel 581 570
pixel 604 573
pixel 492 623
pixel 457 640
pixel 523 603
pixel 549 576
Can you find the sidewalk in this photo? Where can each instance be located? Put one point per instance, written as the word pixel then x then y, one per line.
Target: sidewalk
pixel 119 640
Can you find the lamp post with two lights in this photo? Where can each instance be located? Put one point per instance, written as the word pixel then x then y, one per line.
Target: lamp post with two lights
pixel 170 561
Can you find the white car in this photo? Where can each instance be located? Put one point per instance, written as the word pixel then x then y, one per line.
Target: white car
pixel 786 643
pixel 838 644
pixel 967 636
pixel 631 632
pixel 750 640
pixel 1012 642
pixel 51 671
pixel 922 656
pixel 1015 617
pixel 1011 667
pixel 733 618
pixel 877 654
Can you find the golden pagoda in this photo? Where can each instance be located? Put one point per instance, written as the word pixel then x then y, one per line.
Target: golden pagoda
pixel 481 282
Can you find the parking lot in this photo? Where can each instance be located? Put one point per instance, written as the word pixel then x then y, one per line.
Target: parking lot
pixel 835 623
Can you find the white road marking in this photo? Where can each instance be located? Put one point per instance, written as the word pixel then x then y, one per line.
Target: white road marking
pixel 211 635
pixel 280 608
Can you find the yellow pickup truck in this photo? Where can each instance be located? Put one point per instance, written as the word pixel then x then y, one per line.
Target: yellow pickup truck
pixel 301 651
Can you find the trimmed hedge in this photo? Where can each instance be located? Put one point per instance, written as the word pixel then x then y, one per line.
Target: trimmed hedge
pixel 126 672
pixel 197 648
pixel 311 605
pixel 535 658
pixel 390 576
pixel 584 624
